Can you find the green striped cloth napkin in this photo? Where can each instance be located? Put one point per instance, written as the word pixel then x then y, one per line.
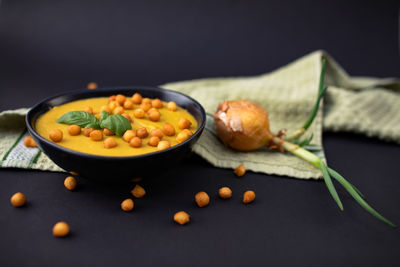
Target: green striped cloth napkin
pixel 363 105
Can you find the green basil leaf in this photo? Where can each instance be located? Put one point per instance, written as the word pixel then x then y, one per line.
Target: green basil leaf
pixel 104 115
pixel 80 118
pixel 116 123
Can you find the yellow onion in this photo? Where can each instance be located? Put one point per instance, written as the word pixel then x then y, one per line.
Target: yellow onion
pixel 242 125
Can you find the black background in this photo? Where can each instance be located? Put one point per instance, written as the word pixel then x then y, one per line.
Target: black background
pixel 48 47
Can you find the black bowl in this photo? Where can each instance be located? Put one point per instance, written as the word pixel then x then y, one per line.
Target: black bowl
pixel 116 168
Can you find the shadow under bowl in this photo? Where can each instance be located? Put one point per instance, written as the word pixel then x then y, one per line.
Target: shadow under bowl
pixel 108 168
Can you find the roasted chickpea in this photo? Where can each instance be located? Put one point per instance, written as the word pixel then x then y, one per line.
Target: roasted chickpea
pixel 157 103
pixel 96 135
pixel 202 199
pixel 112 98
pixel 182 136
pixel 126 115
pixel 128 104
pixel 70 183
pixel 181 217
pixel 109 142
pixel 56 135
pixel 225 192
pixel 120 99
pixel 118 110
pixel 151 110
pixel 154 116
pixel 168 129
pixel 172 106
pixel 157 132
pixel 105 108
pixel 74 129
pixel 28 142
pixel 139 113
pixel 184 123
pixel 108 132
pixel 163 145
pixel 146 100
pixel 135 142
pixel 128 135
pixel 145 106
pixel 127 205
pixel 113 104
pixel 89 110
pixel 137 98
pixel 138 191
pixel 240 170
pixel 87 131
pixel 142 132
pixel 248 197
pixel 153 141
pixel 60 229
pixel 18 199
pixel 92 86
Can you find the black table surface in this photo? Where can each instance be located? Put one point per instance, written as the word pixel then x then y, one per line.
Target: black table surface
pixel 47 47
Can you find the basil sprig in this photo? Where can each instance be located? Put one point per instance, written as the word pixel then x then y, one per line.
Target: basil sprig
pixel 116 123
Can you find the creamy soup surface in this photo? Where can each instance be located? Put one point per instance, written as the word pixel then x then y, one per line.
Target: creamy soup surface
pixel 48 122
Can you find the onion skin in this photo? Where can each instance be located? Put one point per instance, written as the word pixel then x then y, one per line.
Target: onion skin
pixel 242 125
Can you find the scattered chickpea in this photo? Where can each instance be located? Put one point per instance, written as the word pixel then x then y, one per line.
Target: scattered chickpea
pixel 142 132
pixel 113 104
pixel 120 99
pixel 225 192
pixel 145 106
pixel 154 116
pixel 182 136
pixel 135 142
pixel 181 217
pixel 184 123
pixel 92 86
pixel 248 197
pixel 127 205
pixel 18 199
pixel 74 129
pixel 169 129
pixel 60 229
pixel 153 141
pixel 146 100
pixel 105 108
pixel 137 98
pixel 109 142
pixel 128 104
pixel 163 145
pixel 96 135
pixel 28 142
pixel 128 135
pixel 139 113
pixel 126 115
pixel 56 135
pixel 202 199
pixel 157 132
pixel 118 110
pixel 89 110
pixel 87 131
pixel 240 170
pixel 157 103
pixel 138 191
pixel 172 106
pixel 70 183
pixel 112 98
pixel 136 179
pixel 108 132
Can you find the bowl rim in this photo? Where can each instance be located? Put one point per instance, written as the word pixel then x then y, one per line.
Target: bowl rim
pixel 31 129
